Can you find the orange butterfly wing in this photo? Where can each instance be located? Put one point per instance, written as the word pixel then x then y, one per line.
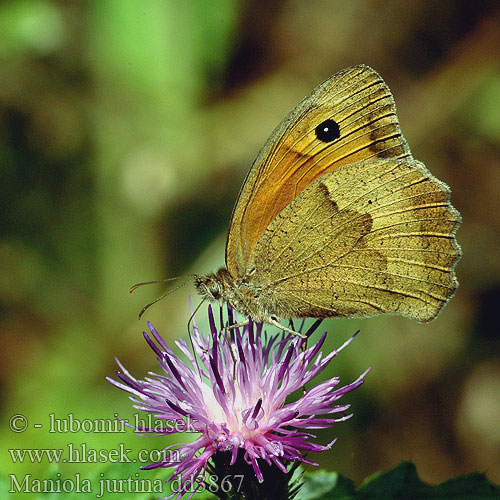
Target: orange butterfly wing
pixel 355 105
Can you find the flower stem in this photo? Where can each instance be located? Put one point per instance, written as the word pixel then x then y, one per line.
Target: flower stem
pixel 238 481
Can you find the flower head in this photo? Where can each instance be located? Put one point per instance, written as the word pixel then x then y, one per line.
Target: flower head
pixel 233 393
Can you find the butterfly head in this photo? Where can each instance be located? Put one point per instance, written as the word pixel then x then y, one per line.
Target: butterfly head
pixel 212 286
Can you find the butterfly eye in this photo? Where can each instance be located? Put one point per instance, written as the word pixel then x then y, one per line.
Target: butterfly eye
pixel 328 131
pixel 215 290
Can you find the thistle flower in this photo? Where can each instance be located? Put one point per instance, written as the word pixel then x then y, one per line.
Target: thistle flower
pixel 239 407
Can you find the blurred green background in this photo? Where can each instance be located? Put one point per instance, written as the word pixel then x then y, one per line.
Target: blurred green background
pixel 126 130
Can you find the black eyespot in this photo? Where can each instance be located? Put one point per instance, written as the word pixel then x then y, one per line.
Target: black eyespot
pixel 328 131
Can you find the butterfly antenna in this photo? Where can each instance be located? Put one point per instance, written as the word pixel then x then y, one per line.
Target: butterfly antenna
pixel 147 306
pixel 192 316
pixel 165 280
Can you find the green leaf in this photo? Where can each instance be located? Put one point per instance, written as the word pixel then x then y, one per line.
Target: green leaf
pixel 403 482
pixel 323 485
pixel 399 483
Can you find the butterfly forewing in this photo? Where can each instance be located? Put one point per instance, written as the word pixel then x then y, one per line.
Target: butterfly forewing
pixel 376 236
pixel 359 121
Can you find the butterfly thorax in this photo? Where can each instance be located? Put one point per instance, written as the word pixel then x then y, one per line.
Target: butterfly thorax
pixel 244 295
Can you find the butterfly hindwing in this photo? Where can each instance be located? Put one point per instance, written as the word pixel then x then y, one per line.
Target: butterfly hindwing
pixel 373 237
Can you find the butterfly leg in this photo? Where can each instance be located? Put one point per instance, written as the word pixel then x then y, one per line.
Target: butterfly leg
pixel 221 317
pixel 228 336
pixel 237 325
pixel 275 322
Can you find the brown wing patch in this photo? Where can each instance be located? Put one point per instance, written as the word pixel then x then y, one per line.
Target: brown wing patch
pixel 376 236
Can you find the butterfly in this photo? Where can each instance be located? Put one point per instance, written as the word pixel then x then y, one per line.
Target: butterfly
pixel 336 218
